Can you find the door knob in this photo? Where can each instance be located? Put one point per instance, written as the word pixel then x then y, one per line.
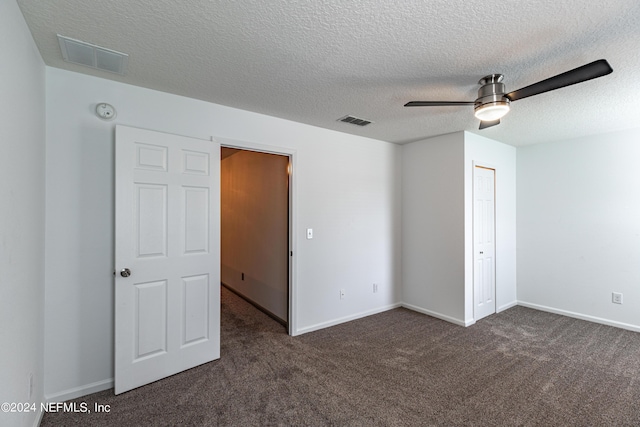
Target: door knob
pixel 125 272
pixel 481 253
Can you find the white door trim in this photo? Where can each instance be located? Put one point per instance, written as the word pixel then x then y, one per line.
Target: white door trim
pixel 292 323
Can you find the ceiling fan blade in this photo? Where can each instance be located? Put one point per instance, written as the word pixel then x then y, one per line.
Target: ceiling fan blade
pixel 436 103
pixel 488 124
pixel 577 75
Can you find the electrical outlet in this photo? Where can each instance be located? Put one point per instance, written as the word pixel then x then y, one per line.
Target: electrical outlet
pixel 616 298
pixel 341 293
pixel 375 288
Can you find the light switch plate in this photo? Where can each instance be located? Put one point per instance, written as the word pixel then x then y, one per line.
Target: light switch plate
pixel 309 233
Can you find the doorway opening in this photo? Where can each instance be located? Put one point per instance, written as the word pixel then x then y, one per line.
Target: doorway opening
pixel 255 222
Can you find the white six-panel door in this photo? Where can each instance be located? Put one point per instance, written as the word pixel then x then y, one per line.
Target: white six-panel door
pixel 167 311
pixel 484 268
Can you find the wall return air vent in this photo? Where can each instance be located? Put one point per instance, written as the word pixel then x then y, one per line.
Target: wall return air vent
pixel 90 55
pixel 354 120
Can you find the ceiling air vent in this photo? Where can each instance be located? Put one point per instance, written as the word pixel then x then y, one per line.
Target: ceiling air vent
pixel 354 120
pixel 90 55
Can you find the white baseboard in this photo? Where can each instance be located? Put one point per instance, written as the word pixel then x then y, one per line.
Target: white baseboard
pixel 38 419
pixel 581 316
pixel 506 306
pixel 439 315
pixel 345 319
pixel 76 392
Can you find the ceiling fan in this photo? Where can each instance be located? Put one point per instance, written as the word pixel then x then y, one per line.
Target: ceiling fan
pixel 493 103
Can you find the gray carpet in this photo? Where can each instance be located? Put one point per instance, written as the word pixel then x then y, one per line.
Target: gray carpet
pixel 399 368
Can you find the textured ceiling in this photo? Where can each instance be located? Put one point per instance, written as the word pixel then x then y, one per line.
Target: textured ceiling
pixel 314 61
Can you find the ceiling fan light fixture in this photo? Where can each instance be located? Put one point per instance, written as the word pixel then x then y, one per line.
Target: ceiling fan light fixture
pixel 492 111
pixel 493 102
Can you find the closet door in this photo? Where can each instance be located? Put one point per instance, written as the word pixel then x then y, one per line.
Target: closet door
pixel 484 219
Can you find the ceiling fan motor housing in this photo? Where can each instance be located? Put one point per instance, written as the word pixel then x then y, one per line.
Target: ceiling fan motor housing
pixel 491 94
pixel 491 91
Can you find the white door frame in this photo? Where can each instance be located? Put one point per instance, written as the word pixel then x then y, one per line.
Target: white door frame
pixel 269 149
pixel 484 165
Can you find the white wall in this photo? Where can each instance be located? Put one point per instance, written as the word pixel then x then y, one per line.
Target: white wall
pixel 437 224
pixel 347 189
pixel 22 142
pixel 433 227
pixel 502 157
pixel 579 227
